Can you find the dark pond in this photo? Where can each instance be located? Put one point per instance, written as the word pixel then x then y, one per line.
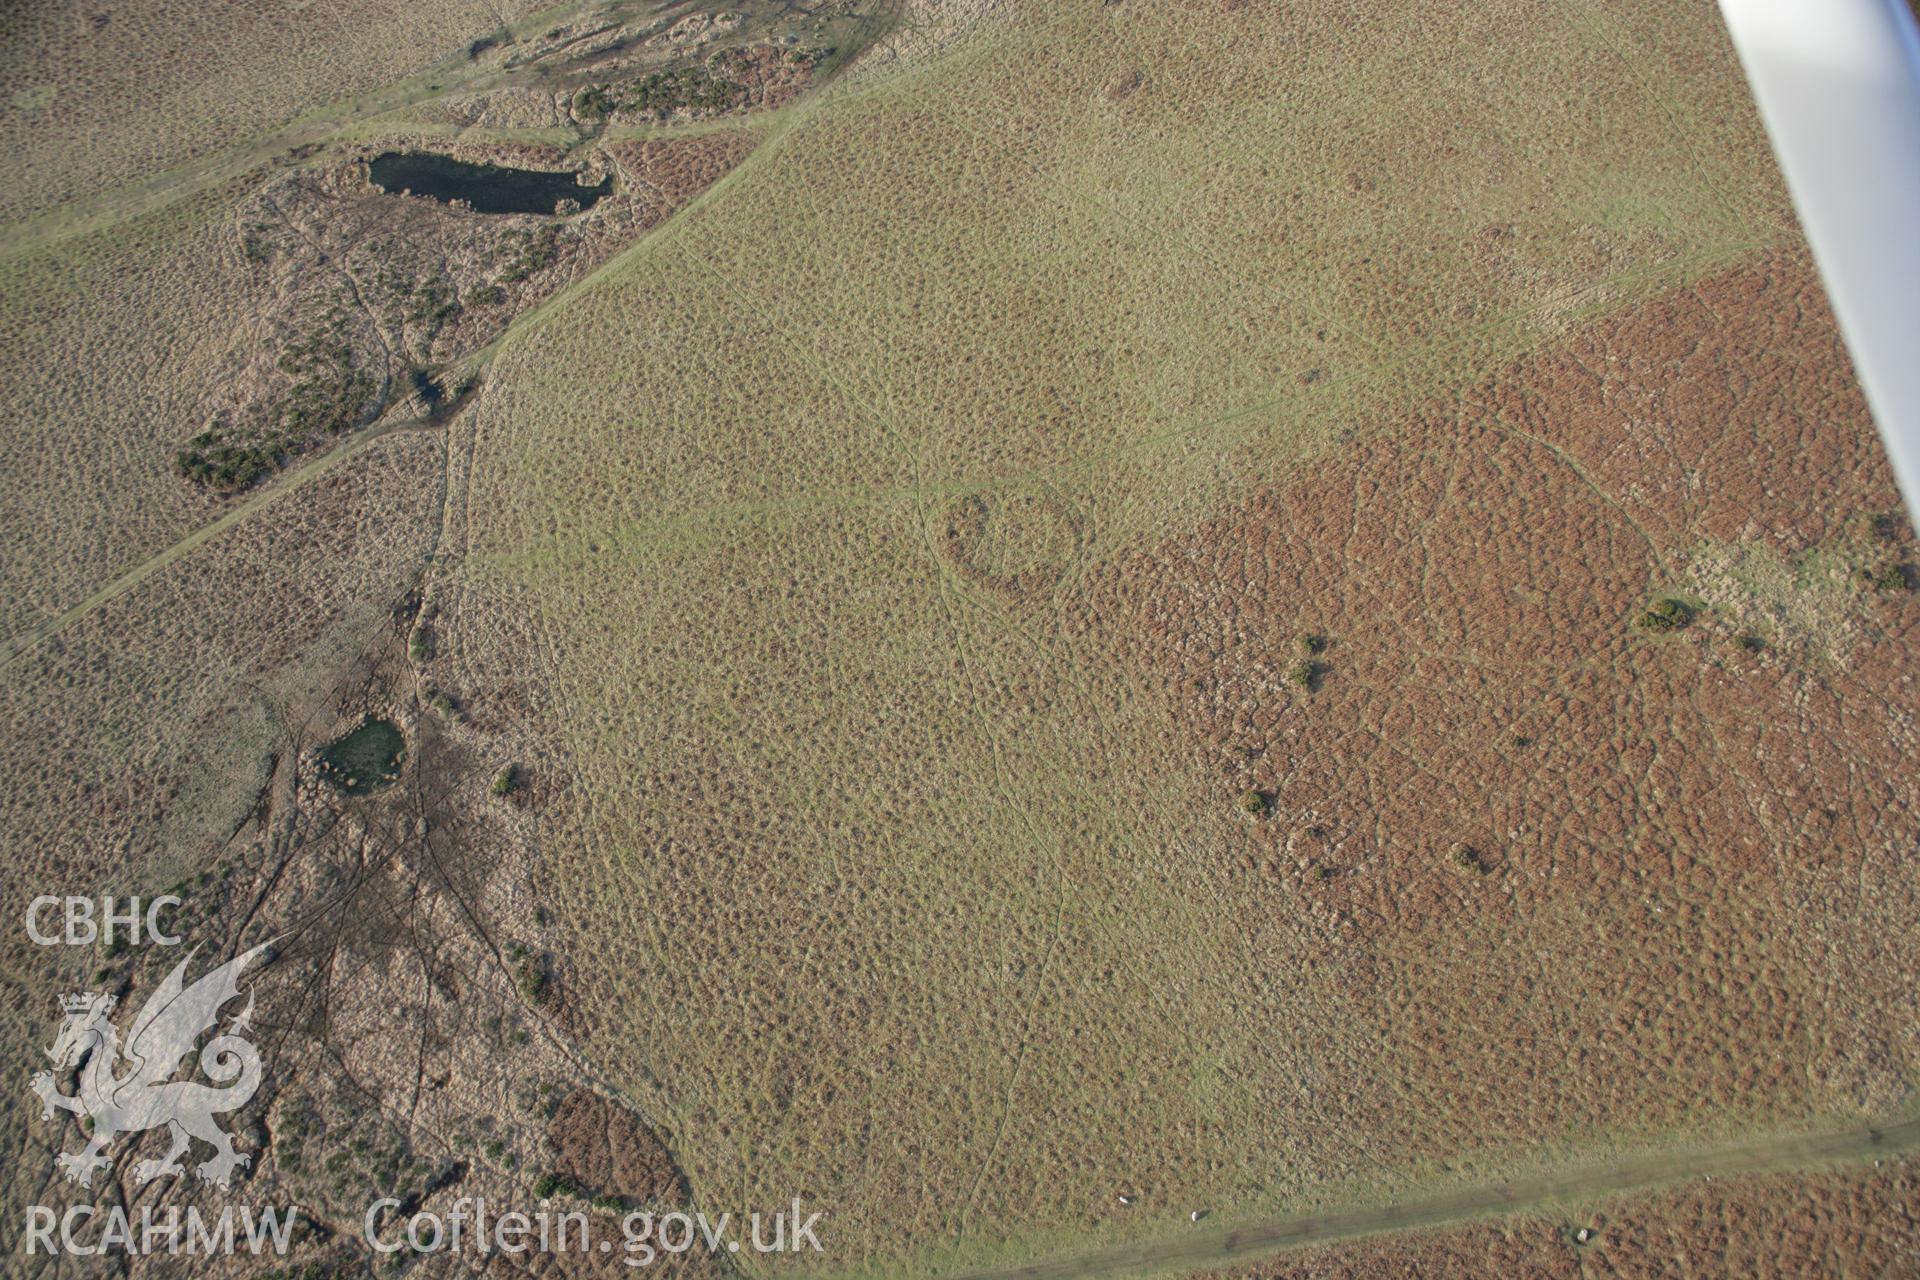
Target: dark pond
pixel 488 188
pixel 366 759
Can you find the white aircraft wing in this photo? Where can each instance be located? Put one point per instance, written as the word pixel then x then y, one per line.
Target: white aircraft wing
pixel 1838 83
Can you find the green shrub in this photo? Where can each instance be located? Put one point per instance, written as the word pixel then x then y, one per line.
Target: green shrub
pixel 695 89
pixel 1883 526
pixel 1882 577
pixel 329 395
pixel 431 302
pixel 554 1183
pixel 521 253
pixel 530 975
pixel 593 103
pixel 1667 614
pixel 506 780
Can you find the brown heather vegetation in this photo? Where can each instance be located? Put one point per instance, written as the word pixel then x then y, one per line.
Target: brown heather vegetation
pixel 601 1146
pixel 675 170
pixel 1694 858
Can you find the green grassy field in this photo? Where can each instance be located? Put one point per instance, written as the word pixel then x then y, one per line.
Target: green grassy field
pixel 890 889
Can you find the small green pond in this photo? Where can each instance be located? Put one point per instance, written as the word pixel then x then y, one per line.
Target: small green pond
pixel 366 759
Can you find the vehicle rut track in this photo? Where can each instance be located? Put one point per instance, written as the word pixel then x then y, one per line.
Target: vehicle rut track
pixel 1218 1246
pixel 24 642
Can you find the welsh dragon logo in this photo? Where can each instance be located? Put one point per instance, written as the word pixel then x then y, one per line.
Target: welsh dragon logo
pixel 133 1090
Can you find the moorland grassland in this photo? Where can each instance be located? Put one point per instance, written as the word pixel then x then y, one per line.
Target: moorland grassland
pixel 946 912
pixel 1070 618
pixel 99 95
